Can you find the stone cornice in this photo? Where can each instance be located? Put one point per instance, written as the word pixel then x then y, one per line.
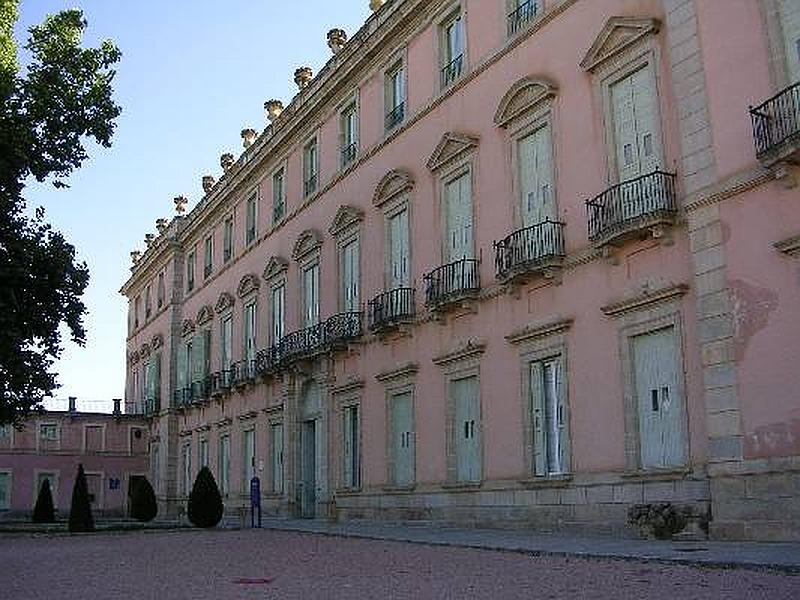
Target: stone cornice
pixel 406 370
pixel 789 246
pixel 248 416
pixel 645 300
pixel 533 331
pixel 346 387
pixel 470 349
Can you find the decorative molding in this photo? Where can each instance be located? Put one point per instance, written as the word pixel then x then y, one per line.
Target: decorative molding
pixel 157 342
pixel 248 285
pixel 223 422
pixel 616 35
pixel 346 217
pixel 205 315
pixel 133 357
pixel 451 147
pixel 185 433
pixel 789 246
pixel 391 185
pixel 309 241
pixel 407 370
pixel 275 408
pixel 470 349
pixel 533 331
pixel 248 416
pixel 522 97
pixel 144 351
pixel 187 327
pixel 225 302
pixel 645 300
pixel 203 427
pixel 736 184
pixel 276 265
pixel 348 386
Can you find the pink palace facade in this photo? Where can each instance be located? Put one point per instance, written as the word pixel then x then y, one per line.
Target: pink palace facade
pixel 498 262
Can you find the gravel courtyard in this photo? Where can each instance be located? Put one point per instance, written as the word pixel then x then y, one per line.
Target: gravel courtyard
pixel 273 564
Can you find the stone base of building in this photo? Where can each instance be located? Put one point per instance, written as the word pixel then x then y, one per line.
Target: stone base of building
pixel 756 500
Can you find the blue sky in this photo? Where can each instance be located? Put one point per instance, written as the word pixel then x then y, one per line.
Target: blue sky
pixel 194 73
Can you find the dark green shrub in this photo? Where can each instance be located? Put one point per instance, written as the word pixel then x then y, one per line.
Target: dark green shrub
pixel 205 502
pixel 80 514
pixel 144 507
pixel 43 511
pixel 660 520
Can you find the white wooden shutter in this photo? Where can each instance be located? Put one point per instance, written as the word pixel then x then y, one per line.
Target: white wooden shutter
pixel 671 411
pixel 206 351
pixel 249 333
pixel 552 420
pixel 536 177
pixel 198 360
pixel 311 295
pixel 636 124
pixel 277 313
pixel 458 194
pixel 646 356
pixel 790 22
pixel 227 343
pixel 562 418
pixel 467 429
pixel 350 276
pixel 181 361
pixel 347 446
pixel 402 440
pixel 399 248
pixel 627 149
pixel 249 458
pixel 538 419
pixel 277 457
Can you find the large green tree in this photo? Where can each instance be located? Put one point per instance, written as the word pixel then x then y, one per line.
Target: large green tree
pixel 48 110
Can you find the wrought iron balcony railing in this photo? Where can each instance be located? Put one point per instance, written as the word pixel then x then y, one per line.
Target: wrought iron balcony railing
pixel 631 206
pixel 323 337
pixel 391 308
pixel 268 361
pixel 201 390
pixel 243 372
pixel 523 15
pixel 776 125
pixel 396 116
pixel 452 70
pixel 342 328
pixel 349 153
pixel 529 249
pixel 310 185
pixel 182 397
pixel 452 282
pixel 221 381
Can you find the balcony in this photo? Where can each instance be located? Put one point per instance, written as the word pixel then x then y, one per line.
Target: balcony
pixel 629 209
pixel 349 154
pixel 221 382
pixel 524 14
pixel 391 309
pixel 530 251
pixel 310 185
pixel 452 70
pixel 201 390
pixel 243 373
pixel 452 283
pixel 396 116
pixel 327 336
pixel 776 128
pixel 267 361
pixel 182 397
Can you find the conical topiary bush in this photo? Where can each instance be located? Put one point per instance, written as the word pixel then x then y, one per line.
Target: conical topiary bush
pixel 80 514
pixel 205 502
pixel 144 507
pixel 43 511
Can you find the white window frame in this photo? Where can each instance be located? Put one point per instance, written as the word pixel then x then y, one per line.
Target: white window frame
pixel 191 269
pixel 452 13
pixel 228 238
pixel 9 474
pixel 310 166
pixel 348 138
pixel 279 172
pixel 390 103
pixel 251 229
pixel 276 461
pixel 403 204
pixel 208 256
pixel 103 440
pixel 224 464
pixel 305 267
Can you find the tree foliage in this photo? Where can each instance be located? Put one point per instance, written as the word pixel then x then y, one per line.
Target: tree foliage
pixel 47 112
pixel 80 513
pixel 43 511
pixel 205 502
pixel 144 507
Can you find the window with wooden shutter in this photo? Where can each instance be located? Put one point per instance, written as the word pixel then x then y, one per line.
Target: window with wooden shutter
pixel 278 298
pixel 203 453
pixel 790 24
pixel 466 428
pixel 226 340
pixel 311 295
pixel 248 459
pixel 399 248
pixel 5 491
pixel 251 228
pixel 549 418
pixel 458 211
pixel 350 445
pixel 187 469
pixel 534 155
pixel 249 333
pixel 350 275
pixel 403 445
pixel 276 436
pixel 225 464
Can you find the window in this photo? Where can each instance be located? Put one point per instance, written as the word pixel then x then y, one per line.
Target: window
pixel 5 433
pixel 155 465
pixel 226 341
pixel 48 432
pixel 186 462
pixel 162 292
pixel 185 364
pixel 398 250
pixel 458 211
pixel 152 384
pixel 201 366
pixel 203 450
pixel 395 96
pixel 402 439
pixel 310 168
pixel 278 300
pixel 93 438
pixel 276 437
pixel 5 491
pixel 278 196
pixel 349 134
pixel 208 257
pixel 466 429
pixel 535 167
pixel 452 49
pixel 351 448
pixel 137 303
pixel 252 206
pixel 311 295
pixel 249 342
pixel 248 459
pixel 225 465
pixel 548 415
pixel 148 305
pixel 637 141
pixel 521 12
pixel 350 276
pixel 227 240
pixel 790 23
pixel 190 260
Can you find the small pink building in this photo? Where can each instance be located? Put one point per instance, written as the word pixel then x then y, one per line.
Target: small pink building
pixel 113 449
pixel 499 261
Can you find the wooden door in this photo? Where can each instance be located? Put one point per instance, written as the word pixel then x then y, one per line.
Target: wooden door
pixel 402 439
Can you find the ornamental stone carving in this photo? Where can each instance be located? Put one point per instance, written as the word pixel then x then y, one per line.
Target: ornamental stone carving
pixel 525 95
pixel 226 161
pixel 248 137
pixel 205 315
pixel 187 327
pixel 375 5
pixel 225 302
pixel 161 225
pixel 136 256
pixel 248 285
pixel 144 351
pixel 157 342
pixel 391 185
pixel 346 217
pixel 337 38
pixel 451 147
pixel 303 76
pixel 148 239
pixel 276 265
pixel 309 241
pixel 617 34
pixel 274 109
pixel 208 183
pixel 180 204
